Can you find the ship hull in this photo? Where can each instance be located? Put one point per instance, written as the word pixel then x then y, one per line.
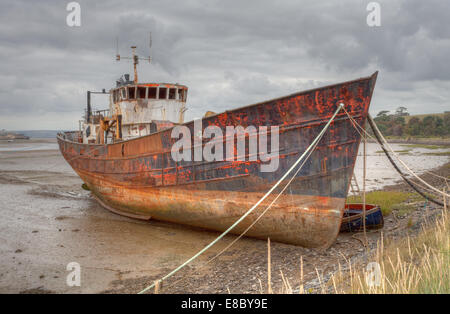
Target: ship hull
pixel 137 178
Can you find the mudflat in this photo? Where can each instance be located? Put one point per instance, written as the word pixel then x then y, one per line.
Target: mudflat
pixel 48 220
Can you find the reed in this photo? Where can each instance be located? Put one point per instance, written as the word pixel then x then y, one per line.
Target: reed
pixel 419 265
pixel 408 266
pixel 269 268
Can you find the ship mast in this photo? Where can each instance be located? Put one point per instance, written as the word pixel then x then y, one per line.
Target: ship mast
pixel 135 63
pixel 134 57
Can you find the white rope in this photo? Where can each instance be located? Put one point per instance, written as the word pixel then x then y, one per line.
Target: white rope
pixel 398 158
pixel 415 175
pixel 316 140
pixel 257 219
pixel 268 207
pixel 356 126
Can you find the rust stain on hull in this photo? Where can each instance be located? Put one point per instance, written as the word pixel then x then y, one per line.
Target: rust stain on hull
pixel 138 176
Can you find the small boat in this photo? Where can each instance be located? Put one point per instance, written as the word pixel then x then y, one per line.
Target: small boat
pixel 353 218
pixel 124 156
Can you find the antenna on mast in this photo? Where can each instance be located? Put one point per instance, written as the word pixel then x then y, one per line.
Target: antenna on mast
pixel 134 56
pixel 117 49
pixel 150 48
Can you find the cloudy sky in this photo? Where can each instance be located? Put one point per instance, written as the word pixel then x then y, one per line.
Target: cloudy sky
pixel 229 53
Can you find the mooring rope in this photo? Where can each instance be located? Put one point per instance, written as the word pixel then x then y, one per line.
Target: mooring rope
pixel 257 219
pixel 316 140
pixel 398 158
pixel 409 182
pixel 356 126
pixel 269 206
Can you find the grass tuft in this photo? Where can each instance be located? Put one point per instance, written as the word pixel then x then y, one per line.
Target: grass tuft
pixel 386 199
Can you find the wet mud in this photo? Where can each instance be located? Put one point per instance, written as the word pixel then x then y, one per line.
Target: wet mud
pixel 48 220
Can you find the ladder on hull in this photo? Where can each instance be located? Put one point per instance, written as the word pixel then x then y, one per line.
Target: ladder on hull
pixel 354 186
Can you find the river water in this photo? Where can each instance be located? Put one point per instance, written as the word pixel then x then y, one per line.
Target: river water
pixel 380 172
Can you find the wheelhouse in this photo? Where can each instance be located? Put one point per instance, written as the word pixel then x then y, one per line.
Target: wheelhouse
pixel 151 91
pixel 135 109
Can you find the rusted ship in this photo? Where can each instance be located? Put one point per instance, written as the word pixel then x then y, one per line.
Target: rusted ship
pixel 124 156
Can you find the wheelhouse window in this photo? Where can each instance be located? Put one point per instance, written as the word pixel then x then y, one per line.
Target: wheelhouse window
pixel 141 92
pixel 132 92
pixel 152 92
pixel 172 93
pixel 162 93
pixel 153 127
pixel 124 93
pixel 180 94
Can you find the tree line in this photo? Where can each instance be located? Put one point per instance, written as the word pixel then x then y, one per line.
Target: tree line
pixel 429 126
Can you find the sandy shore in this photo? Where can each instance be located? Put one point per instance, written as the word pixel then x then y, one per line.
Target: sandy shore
pixel 48 221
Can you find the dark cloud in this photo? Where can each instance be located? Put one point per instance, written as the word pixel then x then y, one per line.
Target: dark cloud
pixel 229 53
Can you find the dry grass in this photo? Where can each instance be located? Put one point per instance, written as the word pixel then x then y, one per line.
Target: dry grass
pixel 409 266
pixel 418 265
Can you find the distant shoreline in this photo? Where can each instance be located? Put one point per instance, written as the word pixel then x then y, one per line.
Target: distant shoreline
pixel 38 133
